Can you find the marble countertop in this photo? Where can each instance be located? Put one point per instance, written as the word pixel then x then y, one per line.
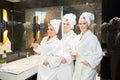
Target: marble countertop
pixel 21 65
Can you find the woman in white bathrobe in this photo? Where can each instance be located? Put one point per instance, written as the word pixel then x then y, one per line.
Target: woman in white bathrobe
pixel 89 52
pixel 68 42
pixel 50 50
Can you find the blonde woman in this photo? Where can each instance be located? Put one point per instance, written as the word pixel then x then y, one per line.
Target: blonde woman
pixel 89 52
pixel 66 68
pixel 50 50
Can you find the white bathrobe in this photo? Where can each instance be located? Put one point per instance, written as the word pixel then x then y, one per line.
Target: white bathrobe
pixel 66 70
pixel 89 50
pixel 51 51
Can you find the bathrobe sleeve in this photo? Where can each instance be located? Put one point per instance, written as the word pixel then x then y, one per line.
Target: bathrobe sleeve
pixel 54 60
pixel 38 49
pixel 96 52
pixel 67 54
pixel 68 57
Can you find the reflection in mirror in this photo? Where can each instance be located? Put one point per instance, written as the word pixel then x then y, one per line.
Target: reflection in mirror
pixel 36 21
pixel 22 30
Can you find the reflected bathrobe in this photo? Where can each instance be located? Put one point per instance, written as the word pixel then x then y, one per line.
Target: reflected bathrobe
pixel 89 50
pixel 66 70
pixel 51 51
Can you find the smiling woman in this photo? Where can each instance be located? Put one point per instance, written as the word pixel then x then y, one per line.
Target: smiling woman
pixel 50 49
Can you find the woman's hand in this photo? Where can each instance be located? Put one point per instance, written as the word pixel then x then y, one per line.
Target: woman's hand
pixel 74 56
pixel 1 43
pixel 73 53
pixel 34 45
pixel 63 60
pixel 85 63
pixel 45 63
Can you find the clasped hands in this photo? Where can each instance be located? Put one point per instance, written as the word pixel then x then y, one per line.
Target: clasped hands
pixel 85 63
pixel 63 61
pixel 45 63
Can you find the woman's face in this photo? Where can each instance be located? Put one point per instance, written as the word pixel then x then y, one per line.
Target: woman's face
pixel 66 26
pixel 83 25
pixel 51 31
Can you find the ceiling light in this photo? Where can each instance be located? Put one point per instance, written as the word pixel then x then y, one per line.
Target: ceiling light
pixel 14 1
